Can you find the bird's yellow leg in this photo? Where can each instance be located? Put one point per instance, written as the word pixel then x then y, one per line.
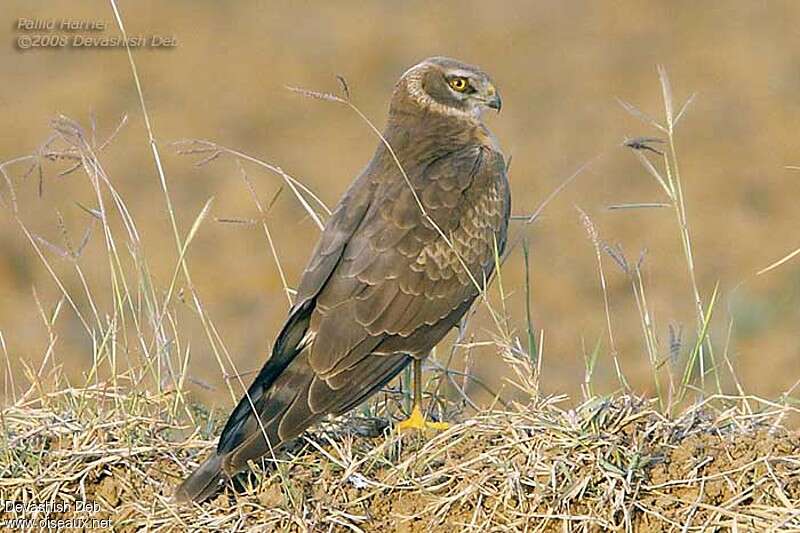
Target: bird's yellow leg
pixel 417 420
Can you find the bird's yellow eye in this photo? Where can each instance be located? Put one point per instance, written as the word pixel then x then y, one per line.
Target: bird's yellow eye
pixel 459 84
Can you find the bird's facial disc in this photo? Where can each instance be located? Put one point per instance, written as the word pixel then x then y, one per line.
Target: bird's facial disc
pixel 473 90
pixel 451 87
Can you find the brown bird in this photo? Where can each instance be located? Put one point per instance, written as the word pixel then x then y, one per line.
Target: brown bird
pixel 401 259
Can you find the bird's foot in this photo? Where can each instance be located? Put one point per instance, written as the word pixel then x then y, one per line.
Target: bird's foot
pixel 417 421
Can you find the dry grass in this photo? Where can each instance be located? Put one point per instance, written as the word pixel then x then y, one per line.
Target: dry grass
pixel 614 463
pixel 127 434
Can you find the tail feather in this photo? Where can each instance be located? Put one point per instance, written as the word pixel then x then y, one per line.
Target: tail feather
pixel 203 482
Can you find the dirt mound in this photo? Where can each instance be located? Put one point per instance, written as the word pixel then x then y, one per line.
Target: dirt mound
pixel 609 464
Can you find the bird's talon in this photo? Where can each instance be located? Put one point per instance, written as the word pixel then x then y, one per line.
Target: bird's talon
pixel 417 421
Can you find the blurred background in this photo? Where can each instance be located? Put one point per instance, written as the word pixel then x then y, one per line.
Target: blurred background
pixel 560 66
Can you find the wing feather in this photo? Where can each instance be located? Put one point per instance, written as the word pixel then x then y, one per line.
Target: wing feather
pixel 383 285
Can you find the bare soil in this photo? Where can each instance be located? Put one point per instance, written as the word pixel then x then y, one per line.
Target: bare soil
pixel 608 465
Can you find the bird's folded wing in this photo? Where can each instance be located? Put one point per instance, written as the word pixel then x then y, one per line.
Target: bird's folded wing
pixel 416 257
pixel 393 272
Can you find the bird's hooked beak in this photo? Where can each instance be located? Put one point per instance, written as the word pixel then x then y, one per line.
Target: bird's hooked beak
pixel 493 99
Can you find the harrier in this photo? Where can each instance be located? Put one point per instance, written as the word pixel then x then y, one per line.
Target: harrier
pixel 401 259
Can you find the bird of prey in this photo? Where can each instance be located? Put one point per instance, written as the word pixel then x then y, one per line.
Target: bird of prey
pixel 400 260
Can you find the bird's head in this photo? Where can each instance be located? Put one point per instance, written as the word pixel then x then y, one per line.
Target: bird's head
pixel 450 87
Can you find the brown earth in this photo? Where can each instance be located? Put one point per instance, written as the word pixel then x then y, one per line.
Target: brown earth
pixel 559 66
pixel 610 465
